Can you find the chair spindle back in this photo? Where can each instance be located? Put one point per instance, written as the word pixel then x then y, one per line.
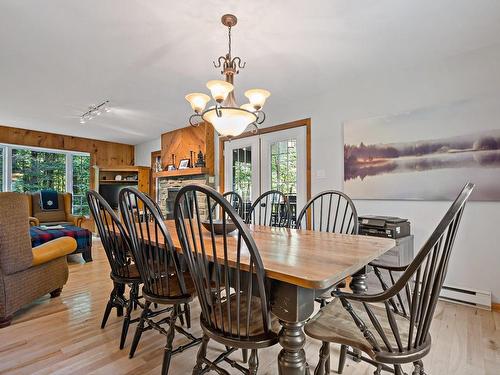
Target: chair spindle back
pixel 227 269
pixel 271 209
pixel 329 211
pixel 157 261
pixel 114 237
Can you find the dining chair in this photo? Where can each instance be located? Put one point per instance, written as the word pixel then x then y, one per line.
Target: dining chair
pixel 271 209
pixel 229 277
pixel 165 281
pixel 392 327
pixel 235 200
pixel 116 243
pixel 329 211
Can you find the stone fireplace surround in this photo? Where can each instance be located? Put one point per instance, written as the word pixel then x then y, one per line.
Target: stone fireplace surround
pixel 168 187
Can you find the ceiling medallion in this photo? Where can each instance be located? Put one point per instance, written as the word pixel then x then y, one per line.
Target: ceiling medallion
pixel 226 116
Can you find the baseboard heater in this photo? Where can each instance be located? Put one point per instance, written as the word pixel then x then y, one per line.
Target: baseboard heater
pixel 469 297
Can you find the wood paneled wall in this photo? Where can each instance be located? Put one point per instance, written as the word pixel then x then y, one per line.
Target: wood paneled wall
pixel 181 141
pixel 102 153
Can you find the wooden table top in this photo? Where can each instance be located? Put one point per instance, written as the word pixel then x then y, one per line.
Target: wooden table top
pixel 310 259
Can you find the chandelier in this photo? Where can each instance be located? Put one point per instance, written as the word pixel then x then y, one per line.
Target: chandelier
pixel 226 116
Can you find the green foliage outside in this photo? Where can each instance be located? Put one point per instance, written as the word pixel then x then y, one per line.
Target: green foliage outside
pixel 284 166
pixel 81 184
pixel 34 170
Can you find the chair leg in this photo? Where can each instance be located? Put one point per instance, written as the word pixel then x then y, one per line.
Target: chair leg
pixel 139 329
pixel 202 353
pixel 180 314
pixel 167 354
pixel 253 362
pixel 324 355
pixel 244 353
pixel 109 306
pixel 119 292
pixel 398 370
pixel 56 293
pixel 418 368
pixel 187 313
pixel 128 312
pixel 343 355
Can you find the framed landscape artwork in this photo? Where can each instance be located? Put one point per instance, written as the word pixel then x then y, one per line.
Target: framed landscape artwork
pixel 426 154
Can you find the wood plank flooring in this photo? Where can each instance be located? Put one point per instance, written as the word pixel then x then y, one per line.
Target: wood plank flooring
pixel 63 336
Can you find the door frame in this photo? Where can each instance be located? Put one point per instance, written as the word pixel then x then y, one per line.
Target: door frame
pixel 275 128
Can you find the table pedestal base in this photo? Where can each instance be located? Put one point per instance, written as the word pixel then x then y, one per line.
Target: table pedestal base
pixel 292 358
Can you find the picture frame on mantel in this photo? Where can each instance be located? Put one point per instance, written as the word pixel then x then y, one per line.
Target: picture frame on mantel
pixel 170 167
pixel 184 164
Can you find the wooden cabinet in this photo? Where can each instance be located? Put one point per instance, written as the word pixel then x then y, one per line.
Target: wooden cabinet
pixel 129 175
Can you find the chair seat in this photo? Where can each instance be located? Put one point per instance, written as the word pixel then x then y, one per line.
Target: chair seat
pixel 333 323
pixel 255 325
pixel 170 288
pixel 127 274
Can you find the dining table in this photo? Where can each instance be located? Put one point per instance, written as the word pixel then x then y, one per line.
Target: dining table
pixel 300 265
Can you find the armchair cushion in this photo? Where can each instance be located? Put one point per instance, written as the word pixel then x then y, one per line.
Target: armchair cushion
pixel 57 248
pixel 15 242
pixel 43 216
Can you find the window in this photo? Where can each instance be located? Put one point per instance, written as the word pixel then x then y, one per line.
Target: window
pixel 2 156
pixel 33 170
pixel 242 173
pixel 284 166
pixel 24 169
pixel 81 184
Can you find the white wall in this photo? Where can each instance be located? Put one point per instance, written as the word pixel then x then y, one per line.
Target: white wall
pixel 143 151
pixel 475 262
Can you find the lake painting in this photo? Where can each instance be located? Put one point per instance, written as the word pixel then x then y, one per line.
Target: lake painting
pixel 426 154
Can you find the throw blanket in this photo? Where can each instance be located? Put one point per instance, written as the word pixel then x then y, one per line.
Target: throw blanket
pixel 82 236
pixel 49 200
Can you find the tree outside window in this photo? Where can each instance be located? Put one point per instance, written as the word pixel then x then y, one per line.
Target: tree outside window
pixel 81 184
pixel 34 170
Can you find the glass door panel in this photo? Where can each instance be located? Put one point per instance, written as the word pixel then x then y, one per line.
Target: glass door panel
pixel 242 169
pixel 284 166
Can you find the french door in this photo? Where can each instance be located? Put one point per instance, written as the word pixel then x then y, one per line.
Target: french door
pixel 271 161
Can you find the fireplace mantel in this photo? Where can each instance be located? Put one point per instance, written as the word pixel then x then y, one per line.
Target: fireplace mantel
pixel 181 172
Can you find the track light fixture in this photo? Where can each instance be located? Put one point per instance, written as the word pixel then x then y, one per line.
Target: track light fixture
pixel 95 110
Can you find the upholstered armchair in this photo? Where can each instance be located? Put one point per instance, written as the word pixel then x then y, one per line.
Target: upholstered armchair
pixel 62 215
pixel 27 273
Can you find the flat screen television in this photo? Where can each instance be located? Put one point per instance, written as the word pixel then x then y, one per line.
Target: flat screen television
pixel 111 191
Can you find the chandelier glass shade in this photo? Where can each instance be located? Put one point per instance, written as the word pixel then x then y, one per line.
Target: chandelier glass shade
pixel 225 115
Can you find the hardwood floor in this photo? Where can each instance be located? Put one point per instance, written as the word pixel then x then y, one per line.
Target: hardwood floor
pixel 63 336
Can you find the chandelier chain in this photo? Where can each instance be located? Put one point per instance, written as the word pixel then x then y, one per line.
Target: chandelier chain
pixel 229 34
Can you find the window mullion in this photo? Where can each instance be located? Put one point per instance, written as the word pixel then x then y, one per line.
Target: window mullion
pixel 69 173
pixel 7 169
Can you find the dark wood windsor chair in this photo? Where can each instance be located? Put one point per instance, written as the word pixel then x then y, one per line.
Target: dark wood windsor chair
pixel 116 244
pixel 234 299
pixel 392 327
pixel 271 209
pixel 329 211
pixel 235 200
pixel 165 281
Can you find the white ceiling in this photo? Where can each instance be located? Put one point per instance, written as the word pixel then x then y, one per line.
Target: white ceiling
pixel 59 56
